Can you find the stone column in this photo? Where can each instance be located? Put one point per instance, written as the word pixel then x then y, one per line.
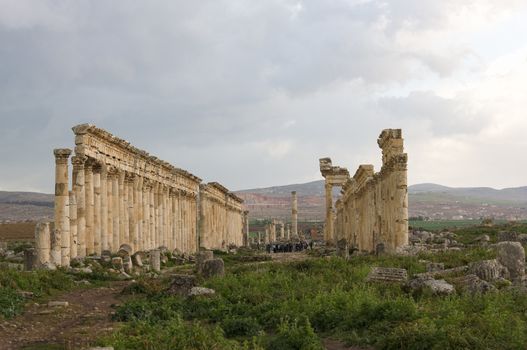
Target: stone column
pixel 129 207
pixel 294 213
pixel 282 230
pixel 151 201
pixel 109 188
pixel 97 219
pixel 56 248
pixel 134 214
pixel 155 260
pixel 90 203
pixel 122 212
pixel 328 231
pixel 104 208
pixel 246 224
pixel 42 243
pixel 73 225
pixel 139 214
pixel 115 211
pixel 61 206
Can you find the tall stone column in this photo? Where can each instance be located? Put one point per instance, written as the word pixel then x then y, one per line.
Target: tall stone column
pixel 42 243
pixel 116 211
pixel 246 224
pixel 62 223
pixel 294 213
pixel 129 207
pixel 109 188
pixel 90 203
pixel 328 231
pixel 146 215
pixel 73 224
pixel 104 208
pixel 139 213
pixel 134 214
pixel 80 195
pixel 97 223
pixel 152 240
pixel 282 230
pixel 122 212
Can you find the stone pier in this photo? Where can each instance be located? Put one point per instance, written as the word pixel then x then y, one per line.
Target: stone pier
pixel 372 213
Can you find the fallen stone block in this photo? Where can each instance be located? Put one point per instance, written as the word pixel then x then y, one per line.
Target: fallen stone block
pixel 181 285
pixel 58 304
pixel 387 274
pixel 213 268
pixel 201 291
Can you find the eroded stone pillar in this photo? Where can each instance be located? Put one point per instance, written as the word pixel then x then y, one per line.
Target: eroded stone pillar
pixel 97 219
pixel 43 243
pixel 62 223
pixel 79 188
pixel 90 204
pixel 115 211
pixel 328 230
pixel 73 225
pixel 104 208
pixel 123 223
pixel 294 213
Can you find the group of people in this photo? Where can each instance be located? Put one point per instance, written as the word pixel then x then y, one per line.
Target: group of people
pixel 288 247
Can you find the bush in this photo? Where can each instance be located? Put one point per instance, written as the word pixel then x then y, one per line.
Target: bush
pixel 295 335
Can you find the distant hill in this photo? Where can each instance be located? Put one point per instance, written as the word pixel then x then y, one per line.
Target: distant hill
pixel 21 206
pixel 427 200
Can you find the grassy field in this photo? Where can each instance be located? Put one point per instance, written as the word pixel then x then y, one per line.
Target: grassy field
pixel 296 305
pixel 438 225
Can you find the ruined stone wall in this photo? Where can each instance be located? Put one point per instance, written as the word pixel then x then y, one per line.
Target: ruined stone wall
pixel 372 213
pixel 221 217
pixel 123 195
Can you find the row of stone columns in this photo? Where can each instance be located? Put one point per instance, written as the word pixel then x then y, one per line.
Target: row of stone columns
pixel 108 207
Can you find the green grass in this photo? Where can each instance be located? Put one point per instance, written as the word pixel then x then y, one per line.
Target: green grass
pixel 296 305
pixel 41 283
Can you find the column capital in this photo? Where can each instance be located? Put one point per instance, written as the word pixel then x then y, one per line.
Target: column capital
pixel 62 155
pixel 78 162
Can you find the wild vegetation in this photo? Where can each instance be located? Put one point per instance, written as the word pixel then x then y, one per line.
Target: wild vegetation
pixel 296 305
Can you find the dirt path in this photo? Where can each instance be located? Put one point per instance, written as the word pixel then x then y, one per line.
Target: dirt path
pixel 87 317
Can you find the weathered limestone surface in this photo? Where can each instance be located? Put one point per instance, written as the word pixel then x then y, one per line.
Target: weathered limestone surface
pixel 512 256
pixel 123 195
pixel 221 217
pixel 373 209
pixel 42 243
pixel 62 223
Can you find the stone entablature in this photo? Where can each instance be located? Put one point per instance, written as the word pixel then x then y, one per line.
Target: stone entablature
pixel 222 219
pixel 372 212
pixel 122 195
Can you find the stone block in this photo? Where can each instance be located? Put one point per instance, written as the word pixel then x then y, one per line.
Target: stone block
pixel 213 268
pixel 181 285
pixel 201 257
pixel 387 274
pixel 512 256
pixel 488 270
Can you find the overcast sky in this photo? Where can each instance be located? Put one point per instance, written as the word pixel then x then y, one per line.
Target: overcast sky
pixel 252 93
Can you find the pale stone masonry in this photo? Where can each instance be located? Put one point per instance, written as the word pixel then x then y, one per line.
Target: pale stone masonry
pixel 372 212
pixel 122 195
pixel 221 217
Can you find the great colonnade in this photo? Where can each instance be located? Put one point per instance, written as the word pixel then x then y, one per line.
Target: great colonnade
pixel 123 195
pixel 372 212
